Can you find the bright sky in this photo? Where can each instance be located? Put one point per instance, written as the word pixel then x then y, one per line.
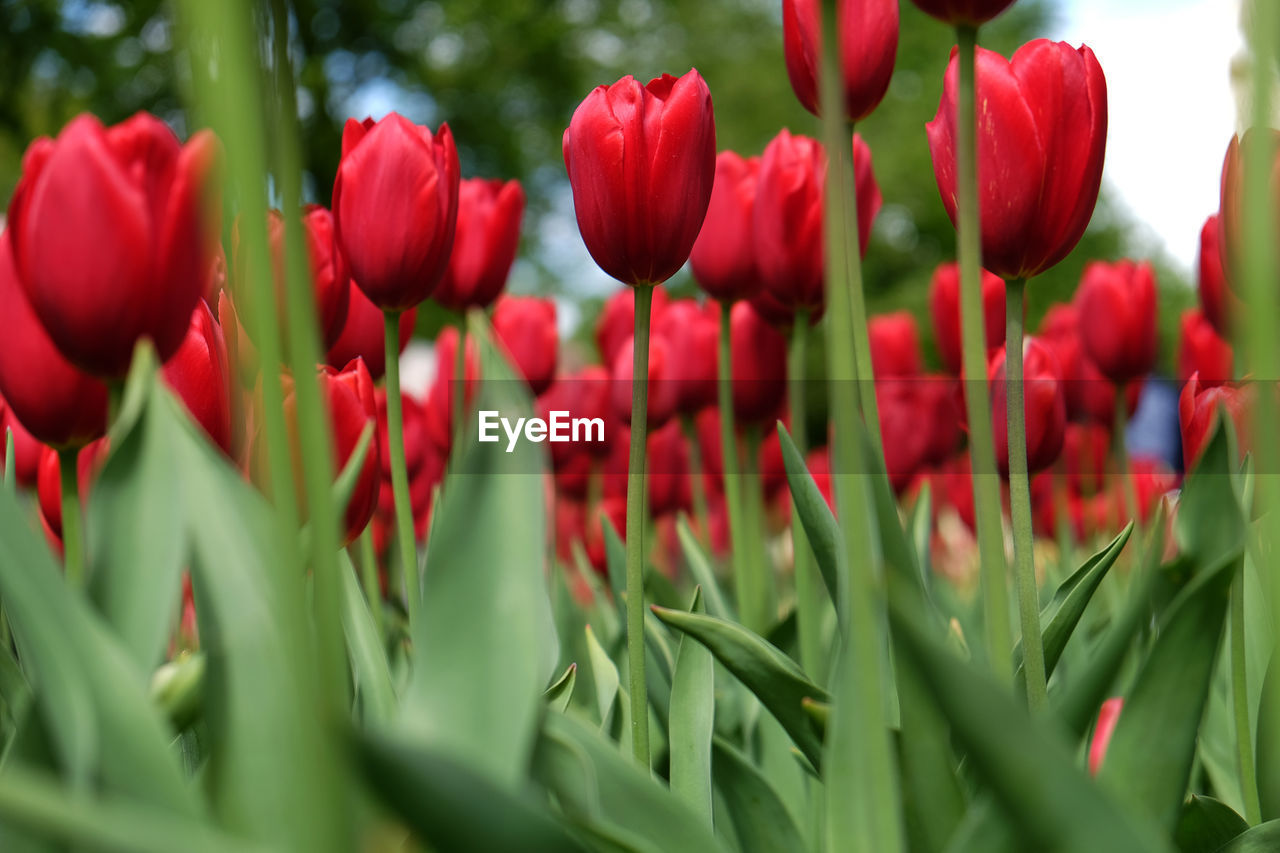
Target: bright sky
pixel 1171 111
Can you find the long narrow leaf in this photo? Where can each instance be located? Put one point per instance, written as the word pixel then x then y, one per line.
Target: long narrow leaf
pixel 691 721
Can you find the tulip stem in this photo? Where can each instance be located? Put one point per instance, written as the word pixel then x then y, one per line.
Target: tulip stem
pixel 808 591
pixel 1121 441
pixel 982 456
pixel 399 473
pixel 459 388
pixel 72 529
pixel 1020 503
pixel 369 576
pixel 764 598
pixel 697 487
pixel 10 464
pixel 863 369
pixel 729 463
pixel 635 526
pixel 1240 706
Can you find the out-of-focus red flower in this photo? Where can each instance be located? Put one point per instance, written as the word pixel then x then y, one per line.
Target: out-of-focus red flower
pixel 1045 406
pixel 1231 214
pixel 723 256
pixel 641 162
pixel 484 245
pixel 364 335
pixel 1090 395
pixel 1216 300
pixel 1108 715
pixel 662 391
pixel 941 406
pixel 868 45
pixel 1117 311
pixel 526 325
pixel 970 12
pixel 584 394
pixel 1198 409
pixel 902 425
pixel 201 377
pixel 26 448
pixel 895 345
pixel 424 465
pixel 759 366
pixel 617 321
pixel 1201 350
pixel 395 207
pixel 89 461
pixel 1041 139
pixel 440 398
pixel 944 310
pixel 111 237
pixel 819 463
pixel 615 510
pixel 692 334
pixel 1086 447
pixel 667 471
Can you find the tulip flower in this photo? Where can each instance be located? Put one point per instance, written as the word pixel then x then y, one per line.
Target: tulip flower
pixel 364 335
pixel 26 448
pixel 1045 406
pixel 895 345
pixel 759 366
pixel 1090 395
pixel 1040 144
pixel 944 310
pixel 1198 406
pixel 110 238
pixel 641 162
pixel 662 390
pixel 723 257
pixel 1108 716
pixel 584 394
pixel 1202 351
pixel 617 321
pixel 788 217
pixel 906 443
pixel 1117 310
pixel 1085 450
pixel 395 207
pixel 54 401
pixel 441 424
pixel 485 244
pixel 201 376
pixel 88 461
pixel 963 12
pixel 670 489
pixel 941 411
pixel 425 465
pixel 1216 300
pixel 868 44
pixel 526 326
pixel 692 333
pixel 1231 214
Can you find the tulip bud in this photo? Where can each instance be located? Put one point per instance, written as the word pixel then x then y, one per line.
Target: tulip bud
pixel 641 162
pixel 110 238
pixel 485 244
pixel 723 256
pixel 26 448
pixel 617 321
pixel 1231 213
pixel 1216 300
pixel 963 12
pixel 395 207
pixel 895 345
pixel 201 377
pixel 526 326
pixel 692 332
pixel 1198 406
pixel 1201 351
pixel 944 309
pixel 868 44
pixel 53 400
pixel 1117 310
pixel 1108 715
pixel 1045 406
pixel 364 335
pixel 759 354
pixel 1040 144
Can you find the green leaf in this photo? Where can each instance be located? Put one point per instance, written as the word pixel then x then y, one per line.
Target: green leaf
pixel 450 805
pixel 345 484
pixel 1263 838
pixel 369 667
pixel 615 554
pixel 1205 825
pixel 604 793
pixel 700 567
pixel 692 719
pixel 1152 749
pixel 775 679
pixel 560 693
pixel 608 688
pixel 1210 521
pixel 485 645
pixel 815 516
pixel 920 528
pixel 1268 766
pixel 761 821
pixel 1054 805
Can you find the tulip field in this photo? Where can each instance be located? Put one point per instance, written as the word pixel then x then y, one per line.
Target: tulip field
pixel 734 562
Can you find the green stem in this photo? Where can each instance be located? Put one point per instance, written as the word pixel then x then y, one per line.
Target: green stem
pixel 369 575
pixel 808 585
pixel 764 589
pixel 459 389
pixel 697 486
pixel 72 532
pixel 399 473
pixel 1121 442
pixel 1020 503
pixel 863 369
pixel 1240 707
pixel 729 464
pixel 982 456
pixel 10 464
pixel 635 527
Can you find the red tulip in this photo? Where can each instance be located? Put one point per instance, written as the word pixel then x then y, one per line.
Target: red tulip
pixel 1102 730
pixel 1231 214
pixel 723 256
pixel 1041 139
pixel 759 366
pixel 670 489
pixel 868 44
pixel 1152 480
pixel 1045 406
pixel 89 460
pixel 662 391
pixel 584 394
pixel 944 309
pixel 1198 407
pixel 484 247
pixel 641 162
pixel 895 345
pixel 1216 300
pixel 819 464
pixel 906 443
pixel 424 466
pixel 364 335
pixel 617 321
pixel 201 377
pixel 615 510
pixel 1086 448
pixel 968 12
pixel 1090 395
pixel 110 238
pixel 1117 310
pixel 51 399
pixel 26 448
pixel 941 409
pixel 217 280
pixel 692 333
pixel 440 416
pixel 787 222
pixel 526 326
pixel 1200 350
pixel 395 207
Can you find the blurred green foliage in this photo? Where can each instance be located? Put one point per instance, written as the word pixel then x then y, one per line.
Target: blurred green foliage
pixel 507 74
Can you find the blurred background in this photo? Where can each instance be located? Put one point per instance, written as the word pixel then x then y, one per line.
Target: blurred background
pixel 507 74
